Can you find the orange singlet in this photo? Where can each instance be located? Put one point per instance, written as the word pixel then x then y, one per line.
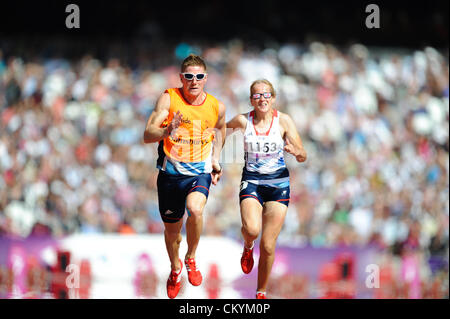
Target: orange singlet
pixel 188 150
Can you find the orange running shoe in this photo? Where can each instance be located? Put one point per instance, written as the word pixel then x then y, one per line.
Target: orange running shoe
pixel 194 275
pixel 261 295
pixel 174 283
pixel 247 260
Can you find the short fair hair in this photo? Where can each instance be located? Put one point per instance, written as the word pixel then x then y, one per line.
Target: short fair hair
pixel 193 60
pixel 263 81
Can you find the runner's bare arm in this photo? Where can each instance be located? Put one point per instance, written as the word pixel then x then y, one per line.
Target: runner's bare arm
pixel 293 141
pixel 239 122
pixel 218 142
pixel 153 131
pixel 219 139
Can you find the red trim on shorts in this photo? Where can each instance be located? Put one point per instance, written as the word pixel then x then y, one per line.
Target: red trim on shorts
pixel 198 186
pixel 172 218
pixel 283 200
pixel 251 196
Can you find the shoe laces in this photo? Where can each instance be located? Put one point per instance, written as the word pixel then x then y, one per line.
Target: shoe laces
pixel 173 276
pixel 190 264
pixel 247 252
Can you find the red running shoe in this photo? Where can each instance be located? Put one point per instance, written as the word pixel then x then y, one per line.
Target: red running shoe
pixel 174 283
pixel 194 275
pixel 247 260
pixel 261 295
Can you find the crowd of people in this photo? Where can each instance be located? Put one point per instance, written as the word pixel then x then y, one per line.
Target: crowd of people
pixel 374 123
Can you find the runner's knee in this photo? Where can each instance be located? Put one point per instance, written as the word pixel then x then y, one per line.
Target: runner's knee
pixel 267 247
pixel 251 230
pixel 195 211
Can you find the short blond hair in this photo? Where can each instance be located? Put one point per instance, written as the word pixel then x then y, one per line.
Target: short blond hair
pixel 263 81
pixel 193 60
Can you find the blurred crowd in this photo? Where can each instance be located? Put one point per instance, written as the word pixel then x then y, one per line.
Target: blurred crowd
pixel 374 122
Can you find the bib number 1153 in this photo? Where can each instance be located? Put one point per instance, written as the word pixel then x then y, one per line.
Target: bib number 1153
pixel 260 147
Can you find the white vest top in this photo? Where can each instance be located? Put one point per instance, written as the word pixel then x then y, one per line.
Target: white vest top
pixel 264 154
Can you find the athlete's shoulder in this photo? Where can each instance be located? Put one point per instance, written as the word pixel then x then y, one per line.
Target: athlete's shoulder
pixel 163 100
pixel 246 115
pixel 238 121
pixel 217 105
pixel 243 118
pixel 176 93
pixel 284 117
pixel 286 123
pixel 213 98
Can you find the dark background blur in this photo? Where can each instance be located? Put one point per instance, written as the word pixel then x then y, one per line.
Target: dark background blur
pixel 39 26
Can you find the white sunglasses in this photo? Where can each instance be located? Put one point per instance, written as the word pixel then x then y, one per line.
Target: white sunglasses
pixel 190 76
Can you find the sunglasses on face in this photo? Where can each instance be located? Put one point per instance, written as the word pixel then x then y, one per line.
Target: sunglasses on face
pixel 257 96
pixel 190 76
